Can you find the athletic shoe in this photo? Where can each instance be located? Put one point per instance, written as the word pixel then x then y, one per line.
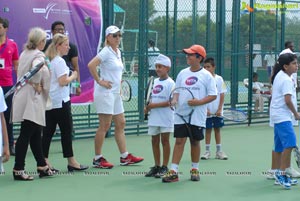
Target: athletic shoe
pixel 292 172
pixel 293 182
pixel 130 159
pixel 282 180
pixel 206 155
pixel 270 174
pixel 153 171
pixel 221 155
pixel 195 174
pixel 170 176
pixel 102 163
pixel 161 172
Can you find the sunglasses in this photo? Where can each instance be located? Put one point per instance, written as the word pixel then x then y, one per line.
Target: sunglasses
pixel 116 35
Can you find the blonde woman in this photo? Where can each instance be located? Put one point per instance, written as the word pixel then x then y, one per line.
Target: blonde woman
pixel 60 113
pixel 29 106
pixel 108 102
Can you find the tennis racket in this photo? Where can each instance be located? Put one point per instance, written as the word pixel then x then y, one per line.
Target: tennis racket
pixel 179 98
pixel 126 91
pixel 235 115
pixel 297 155
pixel 24 79
pixel 148 94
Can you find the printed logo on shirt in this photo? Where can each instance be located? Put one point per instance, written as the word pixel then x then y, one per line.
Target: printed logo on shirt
pixel 157 89
pixel 191 81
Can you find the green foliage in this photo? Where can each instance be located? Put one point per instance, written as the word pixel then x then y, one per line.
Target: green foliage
pixel 264 29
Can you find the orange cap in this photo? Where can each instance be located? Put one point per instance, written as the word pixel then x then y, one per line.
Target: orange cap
pixel 196 49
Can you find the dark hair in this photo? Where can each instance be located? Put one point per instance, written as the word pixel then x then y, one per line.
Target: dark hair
pixel 56 23
pixel 284 59
pixel 209 60
pixel 254 75
pixel 151 43
pixel 4 22
pixel 287 44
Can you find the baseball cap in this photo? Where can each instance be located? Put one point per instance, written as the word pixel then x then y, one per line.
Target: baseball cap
pixel 163 60
pixel 196 49
pixel 111 30
pixel 285 51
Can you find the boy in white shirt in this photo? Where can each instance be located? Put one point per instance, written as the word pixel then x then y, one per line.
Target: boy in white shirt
pixel 203 86
pixel 161 117
pixel 4 151
pixel 214 113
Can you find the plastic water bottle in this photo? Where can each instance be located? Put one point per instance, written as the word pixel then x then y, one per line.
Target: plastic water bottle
pixel 74 86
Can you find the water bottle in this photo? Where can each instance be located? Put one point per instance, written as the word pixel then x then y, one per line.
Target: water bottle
pixel 74 86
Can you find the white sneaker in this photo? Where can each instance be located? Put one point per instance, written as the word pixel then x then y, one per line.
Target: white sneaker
pixel 221 155
pixel 206 155
pixel 270 174
pixel 292 172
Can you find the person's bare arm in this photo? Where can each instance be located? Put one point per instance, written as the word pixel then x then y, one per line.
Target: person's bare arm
pixel 6 153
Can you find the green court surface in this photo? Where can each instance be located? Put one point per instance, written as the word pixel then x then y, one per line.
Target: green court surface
pixel 242 177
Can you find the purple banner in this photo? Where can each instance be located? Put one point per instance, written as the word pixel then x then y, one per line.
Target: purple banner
pixel 83 24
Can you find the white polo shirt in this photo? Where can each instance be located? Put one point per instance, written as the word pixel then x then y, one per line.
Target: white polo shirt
pixel 111 69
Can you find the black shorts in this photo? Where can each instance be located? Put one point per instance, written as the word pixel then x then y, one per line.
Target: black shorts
pixel 181 131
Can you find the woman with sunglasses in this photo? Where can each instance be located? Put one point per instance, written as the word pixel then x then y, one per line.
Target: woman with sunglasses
pixel 108 102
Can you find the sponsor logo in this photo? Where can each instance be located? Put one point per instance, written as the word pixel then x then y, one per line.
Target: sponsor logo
pixel 51 8
pixel 157 89
pixel 191 81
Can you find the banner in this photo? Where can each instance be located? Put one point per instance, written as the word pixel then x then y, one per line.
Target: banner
pixel 83 24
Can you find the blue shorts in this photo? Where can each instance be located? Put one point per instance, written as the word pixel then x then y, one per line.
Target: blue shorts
pixel 214 122
pixel 284 136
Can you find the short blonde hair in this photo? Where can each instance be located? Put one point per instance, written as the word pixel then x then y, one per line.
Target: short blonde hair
pixel 35 36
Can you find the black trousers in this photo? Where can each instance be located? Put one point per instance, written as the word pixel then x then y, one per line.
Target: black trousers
pixel 63 118
pixel 9 126
pixel 30 133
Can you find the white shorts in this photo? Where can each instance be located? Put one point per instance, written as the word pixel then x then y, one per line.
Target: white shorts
pixel 108 103
pixel 155 130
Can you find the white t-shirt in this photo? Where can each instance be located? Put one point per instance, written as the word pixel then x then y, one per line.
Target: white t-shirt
pixel 111 69
pixel 221 89
pixel 282 85
pixel 270 58
pixel 201 84
pixel 257 85
pixel 3 108
pixel 58 94
pixel 162 116
pixel 153 53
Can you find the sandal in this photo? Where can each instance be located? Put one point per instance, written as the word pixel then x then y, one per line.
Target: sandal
pixel 21 175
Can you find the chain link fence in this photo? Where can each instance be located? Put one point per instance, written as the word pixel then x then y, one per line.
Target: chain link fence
pixel 238 34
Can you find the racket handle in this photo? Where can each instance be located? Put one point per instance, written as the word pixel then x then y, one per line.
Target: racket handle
pixel 146 117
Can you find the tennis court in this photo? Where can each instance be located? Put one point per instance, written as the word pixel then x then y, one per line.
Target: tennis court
pixel 239 178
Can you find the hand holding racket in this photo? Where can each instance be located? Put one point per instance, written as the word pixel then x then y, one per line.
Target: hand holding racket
pixel 24 79
pixel 179 102
pixel 148 95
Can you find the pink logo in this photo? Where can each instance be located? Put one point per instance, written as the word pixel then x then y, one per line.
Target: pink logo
pixel 157 89
pixel 191 81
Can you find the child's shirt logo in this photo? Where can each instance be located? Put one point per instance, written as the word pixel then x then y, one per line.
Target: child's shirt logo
pixel 191 81
pixel 157 89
